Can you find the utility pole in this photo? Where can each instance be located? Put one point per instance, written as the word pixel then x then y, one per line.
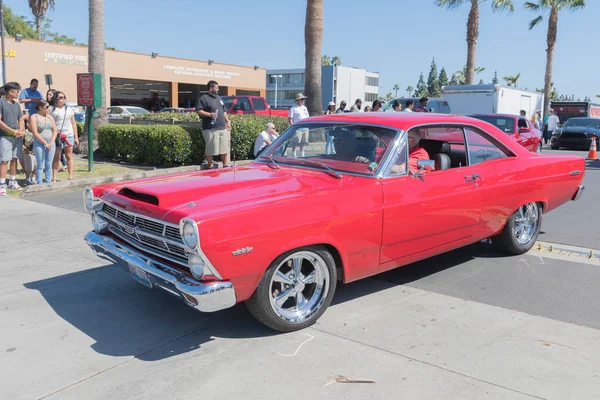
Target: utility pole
pixel 2 34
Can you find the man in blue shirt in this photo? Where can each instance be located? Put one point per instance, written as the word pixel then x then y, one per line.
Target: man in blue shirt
pixel 30 96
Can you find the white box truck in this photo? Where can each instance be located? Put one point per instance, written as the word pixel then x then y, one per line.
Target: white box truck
pixel 491 99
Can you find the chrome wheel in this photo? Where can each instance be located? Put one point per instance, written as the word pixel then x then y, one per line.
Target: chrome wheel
pixel 526 222
pixel 299 286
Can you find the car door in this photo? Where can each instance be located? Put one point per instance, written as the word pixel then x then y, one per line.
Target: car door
pixel 420 215
pixel 524 134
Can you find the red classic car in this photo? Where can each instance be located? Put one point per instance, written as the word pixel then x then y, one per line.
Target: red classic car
pixel 280 233
pixel 522 130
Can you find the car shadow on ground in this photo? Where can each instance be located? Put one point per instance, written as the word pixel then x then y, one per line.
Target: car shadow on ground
pixel 125 318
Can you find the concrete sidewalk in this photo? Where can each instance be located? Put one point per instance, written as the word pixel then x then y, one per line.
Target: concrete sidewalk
pixel 73 327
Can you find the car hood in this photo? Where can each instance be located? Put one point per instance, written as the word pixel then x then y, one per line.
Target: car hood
pixel 199 194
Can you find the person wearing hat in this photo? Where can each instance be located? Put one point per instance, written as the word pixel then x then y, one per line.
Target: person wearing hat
pixel 297 114
pixel 357 106
pixel 342 108
pixel 330 108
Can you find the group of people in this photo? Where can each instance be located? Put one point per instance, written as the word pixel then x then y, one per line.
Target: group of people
pixel 52 125
pixel 547 125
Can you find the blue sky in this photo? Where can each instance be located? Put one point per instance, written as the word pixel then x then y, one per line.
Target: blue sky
pixel 396 38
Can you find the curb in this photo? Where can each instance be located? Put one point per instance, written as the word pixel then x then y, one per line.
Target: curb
pixel 79 183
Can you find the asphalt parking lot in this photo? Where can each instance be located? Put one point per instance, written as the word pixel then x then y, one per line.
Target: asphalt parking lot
pixel 469 324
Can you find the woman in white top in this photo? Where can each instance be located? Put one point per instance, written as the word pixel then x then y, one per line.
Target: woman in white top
pixel 64 119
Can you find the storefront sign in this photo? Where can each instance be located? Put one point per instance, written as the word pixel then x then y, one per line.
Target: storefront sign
pixel 10 53
pixel 201 72
pixel 63 58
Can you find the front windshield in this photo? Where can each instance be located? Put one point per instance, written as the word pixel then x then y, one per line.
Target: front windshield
pixel 356 149
pixel 583 122
pixel 228 101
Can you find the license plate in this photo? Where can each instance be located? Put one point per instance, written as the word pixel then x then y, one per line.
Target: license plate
pixel 140 275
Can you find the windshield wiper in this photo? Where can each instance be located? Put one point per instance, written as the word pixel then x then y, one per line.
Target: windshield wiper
pixel 270 158
pixel 329 171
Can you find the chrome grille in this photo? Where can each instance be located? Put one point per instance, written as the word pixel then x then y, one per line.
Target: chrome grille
pixel 159 238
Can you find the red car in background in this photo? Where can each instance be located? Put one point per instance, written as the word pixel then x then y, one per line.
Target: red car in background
pixel 518 128
pixel 251 105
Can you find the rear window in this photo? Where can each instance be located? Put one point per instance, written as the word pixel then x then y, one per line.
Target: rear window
pixel 259 104
pixel 506 125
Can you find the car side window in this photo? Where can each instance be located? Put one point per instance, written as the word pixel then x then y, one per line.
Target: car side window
pixel 243 104
pixel 258 104
pixel 522 123
pixel 480 148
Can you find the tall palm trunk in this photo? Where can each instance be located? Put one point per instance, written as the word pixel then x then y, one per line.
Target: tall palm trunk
pixel 38 27
pixel 313 39
pixel 472 36
pixel 552 31
pixel 96 53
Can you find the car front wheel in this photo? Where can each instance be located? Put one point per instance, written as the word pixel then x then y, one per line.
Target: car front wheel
pixel 521 230
pixel 295 290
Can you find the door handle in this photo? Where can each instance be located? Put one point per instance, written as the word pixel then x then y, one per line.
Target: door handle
pixel 471 178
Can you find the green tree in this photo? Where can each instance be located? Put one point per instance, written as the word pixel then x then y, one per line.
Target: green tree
pixel 473 27
pixel 512 80
pixel 421 87
pixel 495 80
pixel 395 89
pixel 554 7
pixel 554 95
pixel 313 42
pixel 39 8
pixel 454 80
pixel 336 61
pixel 388 96
pixel 443 78
pixel 325 60
pixel 17 25
pixel 433 83
pixel 481 82
pixel 409 90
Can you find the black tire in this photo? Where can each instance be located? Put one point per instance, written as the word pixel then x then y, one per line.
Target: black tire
pixel 554 146
pixel 260 305
pixel 508 240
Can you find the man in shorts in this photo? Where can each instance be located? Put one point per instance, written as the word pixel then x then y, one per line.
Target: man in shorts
pixel 216 126
pixel 12 130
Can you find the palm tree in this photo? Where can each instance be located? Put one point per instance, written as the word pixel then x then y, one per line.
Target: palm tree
pixel 325 60
pixel 395 89
pixel 96 53
pixel 554 7
pixel 512 80
pixel 313 40
pixel 473 27
pixel 409 90
pixel 39 8
pixel 336 61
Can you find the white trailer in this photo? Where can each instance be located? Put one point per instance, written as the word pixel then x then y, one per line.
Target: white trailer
pixel 491 99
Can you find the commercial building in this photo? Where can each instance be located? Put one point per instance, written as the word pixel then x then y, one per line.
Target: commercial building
pixel 146 80
pixel 338 83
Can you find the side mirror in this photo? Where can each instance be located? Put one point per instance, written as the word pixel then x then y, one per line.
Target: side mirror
pixel 524 130
pixel 423 165
pixel 237 106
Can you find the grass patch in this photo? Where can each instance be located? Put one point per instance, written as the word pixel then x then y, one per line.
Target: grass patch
pixel 81 171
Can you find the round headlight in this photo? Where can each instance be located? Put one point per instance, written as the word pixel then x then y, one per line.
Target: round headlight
pixel 190 235
pixel 196 264
pixel 88 199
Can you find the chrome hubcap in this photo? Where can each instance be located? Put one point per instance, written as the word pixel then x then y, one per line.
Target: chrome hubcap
pixel 299 286
pixel 526 223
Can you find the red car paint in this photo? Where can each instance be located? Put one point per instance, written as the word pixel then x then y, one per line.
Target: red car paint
pixel 251 105
pixel 528 136
pixel 370 224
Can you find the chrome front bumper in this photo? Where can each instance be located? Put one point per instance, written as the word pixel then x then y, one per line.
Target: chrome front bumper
pixel 579 192
pixel 205 297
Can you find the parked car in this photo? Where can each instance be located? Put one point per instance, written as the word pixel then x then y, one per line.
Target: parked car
pixel 578 133
pixel 251 105
pixel 518 128
pixel 279 234
pixel 178 110
pixel 125 111
pixel 435 105
pixel 79 114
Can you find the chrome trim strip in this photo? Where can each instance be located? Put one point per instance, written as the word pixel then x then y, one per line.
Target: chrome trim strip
pixel 579 193
pixel 209 297
pixel 575 173
pixel 147 249
pixel 132 214
pixel 198 248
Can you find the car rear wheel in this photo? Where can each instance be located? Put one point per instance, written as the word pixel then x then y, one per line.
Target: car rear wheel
pixel 295 290
pixel 554 146
pixel 521 230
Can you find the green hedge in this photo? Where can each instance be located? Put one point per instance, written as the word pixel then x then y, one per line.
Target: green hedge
pixel 168 116
pixel 166 145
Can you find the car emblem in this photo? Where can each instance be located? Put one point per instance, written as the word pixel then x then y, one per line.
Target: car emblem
pixel 130 229
pixel 245 250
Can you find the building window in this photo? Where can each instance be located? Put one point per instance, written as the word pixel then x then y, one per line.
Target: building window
pixel 294 78
pixel 371 96
pixel 372 81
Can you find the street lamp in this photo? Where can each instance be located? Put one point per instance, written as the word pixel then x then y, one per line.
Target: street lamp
pixel 276 76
